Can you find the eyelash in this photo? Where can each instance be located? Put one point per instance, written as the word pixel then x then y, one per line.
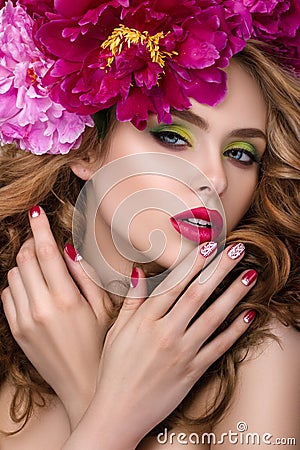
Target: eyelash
pixel 242 148
pixel 160 135
pixel 254 158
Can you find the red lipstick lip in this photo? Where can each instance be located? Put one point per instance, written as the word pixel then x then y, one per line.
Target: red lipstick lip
pixel 195 233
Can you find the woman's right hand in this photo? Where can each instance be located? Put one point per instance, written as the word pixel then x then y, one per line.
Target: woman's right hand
pixel 58 316
pixel 152 355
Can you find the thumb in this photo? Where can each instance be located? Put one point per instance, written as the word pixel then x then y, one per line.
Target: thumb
pixel 135 297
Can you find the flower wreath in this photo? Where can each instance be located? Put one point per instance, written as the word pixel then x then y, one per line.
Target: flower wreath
pixel 63 61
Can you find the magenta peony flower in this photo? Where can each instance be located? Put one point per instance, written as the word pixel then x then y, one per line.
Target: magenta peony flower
pixel 61 60
pixel 142 56
pixel 27 114
pixel 277 22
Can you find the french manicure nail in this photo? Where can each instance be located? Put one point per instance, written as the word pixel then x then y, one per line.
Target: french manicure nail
pixel 236 251
pixel 72 253
pixel 35 211
pixel 249 277
pixel 208 249
pixel 134 278
pixel 250 316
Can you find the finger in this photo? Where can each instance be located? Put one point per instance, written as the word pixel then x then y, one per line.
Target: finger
pixel 135 297
pixel 218 346
pixel 86 279
pixel 9 309
pixel 165 295
pixel 50 260
pixel 212 318
pixel 30 271
pixel 196 294
pixel 17 292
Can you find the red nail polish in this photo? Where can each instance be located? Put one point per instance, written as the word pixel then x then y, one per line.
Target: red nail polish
pixel 249 277
pixel 35 211
pixel 72 253
pixel 134 278
pixel 250 316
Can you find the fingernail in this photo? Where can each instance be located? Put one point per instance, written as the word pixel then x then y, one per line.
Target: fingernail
pixel 35 211
pixel 249 277
pixel 72 253
pixel 134 278
pixel 236 251
pixel 208 249
pixel 250 316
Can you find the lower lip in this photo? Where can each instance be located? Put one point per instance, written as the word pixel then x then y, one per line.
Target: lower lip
pixel 197 234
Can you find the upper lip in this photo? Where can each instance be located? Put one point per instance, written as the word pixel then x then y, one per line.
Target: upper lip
pixel 208 215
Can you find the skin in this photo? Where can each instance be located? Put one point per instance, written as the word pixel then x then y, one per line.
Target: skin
pixel 223 143
pixel 152 332
pixel 144 327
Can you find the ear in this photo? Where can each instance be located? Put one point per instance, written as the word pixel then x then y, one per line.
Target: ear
pixel 84 168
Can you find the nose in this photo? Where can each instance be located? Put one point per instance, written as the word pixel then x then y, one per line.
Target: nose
pixel 212 177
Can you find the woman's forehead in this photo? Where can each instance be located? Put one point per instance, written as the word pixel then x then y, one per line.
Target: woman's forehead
pixel 244 104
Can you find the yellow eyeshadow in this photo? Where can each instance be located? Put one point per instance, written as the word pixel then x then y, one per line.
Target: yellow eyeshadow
pixel 173 128
pixel 240 145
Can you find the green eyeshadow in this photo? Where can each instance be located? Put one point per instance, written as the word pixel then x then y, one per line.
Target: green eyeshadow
pixel 246 147
pixel 173 128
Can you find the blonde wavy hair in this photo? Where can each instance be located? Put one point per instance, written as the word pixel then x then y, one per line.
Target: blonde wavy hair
pixel 270 231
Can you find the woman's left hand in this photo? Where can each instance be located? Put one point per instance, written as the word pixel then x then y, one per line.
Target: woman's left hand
pixel 60 330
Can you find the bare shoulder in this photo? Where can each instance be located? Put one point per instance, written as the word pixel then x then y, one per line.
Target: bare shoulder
pixel 266 400
pixel 279 358
pixel 47 429
pixel 288 336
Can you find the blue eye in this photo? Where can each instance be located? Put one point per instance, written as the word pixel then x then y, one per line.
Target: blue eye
pixel 242 152
pixel 170 138
pixel 172 135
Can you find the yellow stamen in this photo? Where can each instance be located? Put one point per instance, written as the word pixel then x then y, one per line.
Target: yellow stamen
pixel 32 75
pixel 124 35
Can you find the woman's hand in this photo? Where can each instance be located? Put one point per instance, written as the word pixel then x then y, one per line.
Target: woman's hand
pixel 60 330
pixel 153 355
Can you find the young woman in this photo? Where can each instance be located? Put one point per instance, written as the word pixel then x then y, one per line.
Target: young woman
pixel 159 352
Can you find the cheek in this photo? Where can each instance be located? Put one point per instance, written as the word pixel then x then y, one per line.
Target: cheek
pixel 119 205
pixel 140 203
pixel 238 198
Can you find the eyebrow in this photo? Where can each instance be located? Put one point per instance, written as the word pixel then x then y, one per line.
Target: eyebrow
pixel 194 119
pixel 248 133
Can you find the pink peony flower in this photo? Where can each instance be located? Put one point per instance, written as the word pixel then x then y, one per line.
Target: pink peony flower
pixel 151 52
pixel 27 114
pixel 33 7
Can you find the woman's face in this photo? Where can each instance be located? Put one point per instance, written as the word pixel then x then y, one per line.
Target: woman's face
pixel 223 144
